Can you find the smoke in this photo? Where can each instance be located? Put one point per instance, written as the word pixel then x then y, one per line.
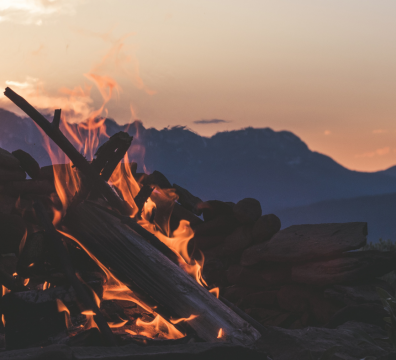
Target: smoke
pixel 212 121
pixel 33 12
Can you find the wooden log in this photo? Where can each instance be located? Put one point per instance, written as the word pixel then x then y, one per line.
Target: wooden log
pixel 36 187
pixel 78 160
pixel 306 242
pixel 68 270
pixel 7 160
pixel 188 200
pixel 28 163
pixel 11 174
pixel 111 153
pixel 146 271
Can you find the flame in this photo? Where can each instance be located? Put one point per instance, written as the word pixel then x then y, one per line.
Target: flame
pixel 63 308
pixel 25 282
pixel 215 291
pixel 220 334
pixel 46 285
pixel 117 325
pixel 86 137
pixel 184 319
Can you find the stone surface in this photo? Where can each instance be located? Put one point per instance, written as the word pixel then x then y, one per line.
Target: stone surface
pixel 265 227
pixel 247 210
pixel 301 344
pixel 265 278
pixel 347 268
pixel 358 293
pixel 307 242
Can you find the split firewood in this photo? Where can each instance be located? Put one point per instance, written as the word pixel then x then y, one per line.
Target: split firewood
pixel 8 161
pixel 147 272
pixel 157 178
pixel 247 210
pixel 7 175
pixel 265 228
pixel 347 268
pixel 111 153
pixel 307 242
pixel 28 163
pixel 12 231
pixel 214 209
pixel 67 267
pixel 78 160
pixel 37 187
pixel 188 200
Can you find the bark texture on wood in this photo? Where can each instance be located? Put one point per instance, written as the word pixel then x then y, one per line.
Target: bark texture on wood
pixel 307 242
pixel 145 270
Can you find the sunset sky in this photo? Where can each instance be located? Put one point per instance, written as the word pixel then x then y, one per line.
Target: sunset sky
pixel 325 70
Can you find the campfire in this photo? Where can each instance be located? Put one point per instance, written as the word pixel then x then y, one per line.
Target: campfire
pixel 105 255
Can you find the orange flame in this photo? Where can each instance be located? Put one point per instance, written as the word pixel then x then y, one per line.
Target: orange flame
pixel 63 308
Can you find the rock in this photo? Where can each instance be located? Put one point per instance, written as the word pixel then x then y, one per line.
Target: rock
pixel 7 160
pixel 247 210
pixel 12 230
pixel 347 268
pixel 214 209
pixel 312 342
pixel 10 175
pixel 272 317
pixel 188 200
pixel 237 241
pixel 28 163
pixel 236 294
pixel 355 294
pixel 215 272
pixel 265 227
pixel 306 242
pixel 365 313
pixel 299 298
pixel 259 299
pixel 265 278
pixel 52 352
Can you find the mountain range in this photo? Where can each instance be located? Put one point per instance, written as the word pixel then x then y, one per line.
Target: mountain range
pixel 276 167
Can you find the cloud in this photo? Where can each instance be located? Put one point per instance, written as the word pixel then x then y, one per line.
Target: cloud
pixel 327 132
pixel 378 152
pixel 28 12
pixel 76 104
pixel 379 131
pixel 212 121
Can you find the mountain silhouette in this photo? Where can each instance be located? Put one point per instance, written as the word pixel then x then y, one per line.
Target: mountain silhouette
pixel 276 167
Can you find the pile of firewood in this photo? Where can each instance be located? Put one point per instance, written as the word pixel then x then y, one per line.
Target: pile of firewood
pixel 301 276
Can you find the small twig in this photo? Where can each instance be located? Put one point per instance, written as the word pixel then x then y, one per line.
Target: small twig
pixel 56 121
pixel 68 270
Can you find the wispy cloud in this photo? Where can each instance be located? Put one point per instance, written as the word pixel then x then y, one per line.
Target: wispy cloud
pixel 379 131
pixel 378 152
pixel 212 121
pixel 29 12
pixel 76 104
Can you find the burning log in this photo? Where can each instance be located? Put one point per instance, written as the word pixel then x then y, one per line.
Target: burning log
pixel 111 153
pixel 36 187
pixel 188 200
pixel 70 274
pixel 146 271
pixel 52 130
